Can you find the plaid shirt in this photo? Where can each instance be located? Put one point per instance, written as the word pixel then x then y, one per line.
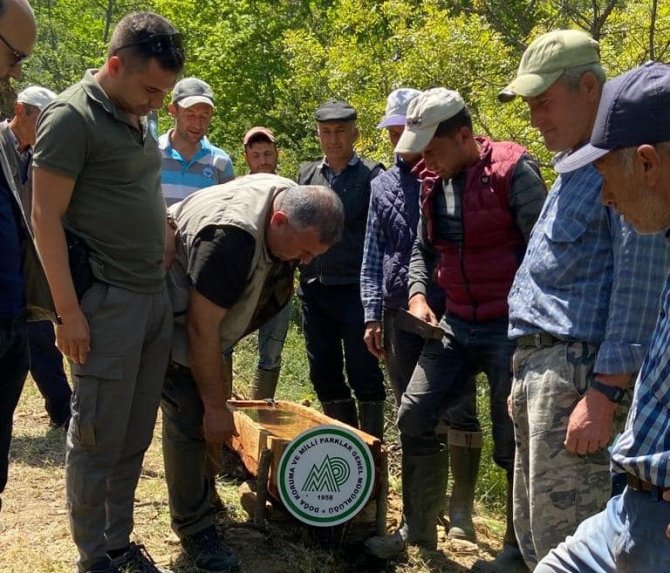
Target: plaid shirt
pixel 589 276
pixel 372 269
pixel 644 447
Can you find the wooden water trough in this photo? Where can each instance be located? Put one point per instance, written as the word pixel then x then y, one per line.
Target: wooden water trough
pixel 265 429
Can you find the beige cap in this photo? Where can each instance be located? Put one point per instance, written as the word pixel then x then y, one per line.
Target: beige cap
pixel 424 114
pixel 36 96
pixel 547 58
pixel 258 132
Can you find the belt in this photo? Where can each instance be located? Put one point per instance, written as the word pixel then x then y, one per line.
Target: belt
pixel 538 340
pixel 635 483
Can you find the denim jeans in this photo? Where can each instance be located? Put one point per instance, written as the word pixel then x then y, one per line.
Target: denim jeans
pixel 445 373
pixel 627 537
pixel 46 368
pixel 271 338
pixel 14 362
pixel 334 326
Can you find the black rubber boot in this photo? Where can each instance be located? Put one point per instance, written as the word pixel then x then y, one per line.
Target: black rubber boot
pixel 509 560
pixel 424 479
pixel 371 418
pixel 264 384
pixel 465 451
pixel 342 410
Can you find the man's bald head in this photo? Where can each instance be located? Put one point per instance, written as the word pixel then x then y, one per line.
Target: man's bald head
pixel 18 31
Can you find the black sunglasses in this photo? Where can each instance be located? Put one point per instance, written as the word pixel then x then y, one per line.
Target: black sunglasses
pixel 158 44
pixel 18 57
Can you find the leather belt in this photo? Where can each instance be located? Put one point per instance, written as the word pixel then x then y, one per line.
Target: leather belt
pixel 538 340
pixel 635 483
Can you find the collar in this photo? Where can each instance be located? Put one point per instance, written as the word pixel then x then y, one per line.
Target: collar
pixel 353 161
pixel 95 92
pixel 204 146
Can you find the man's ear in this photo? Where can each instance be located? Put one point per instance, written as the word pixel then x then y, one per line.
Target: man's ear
pixel 114 65
pixel 650 163
pixel 172 109
pixel 279 219
pixel 589 83
pixel 356 133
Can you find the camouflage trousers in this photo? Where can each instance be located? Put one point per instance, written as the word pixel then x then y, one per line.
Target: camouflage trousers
pixel 554 490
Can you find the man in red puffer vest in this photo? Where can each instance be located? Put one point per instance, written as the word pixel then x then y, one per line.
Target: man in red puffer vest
pixel 479 202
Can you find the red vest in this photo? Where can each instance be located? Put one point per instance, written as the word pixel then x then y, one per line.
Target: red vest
pixel 477 275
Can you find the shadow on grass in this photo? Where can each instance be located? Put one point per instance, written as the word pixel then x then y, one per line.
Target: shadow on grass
pixel 39 451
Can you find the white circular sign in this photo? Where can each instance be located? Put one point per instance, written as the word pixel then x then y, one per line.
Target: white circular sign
pixel 326 475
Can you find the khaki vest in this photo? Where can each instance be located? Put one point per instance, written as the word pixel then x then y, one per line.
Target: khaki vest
pixel 245 203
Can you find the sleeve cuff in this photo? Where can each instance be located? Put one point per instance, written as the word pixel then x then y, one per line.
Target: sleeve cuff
pixel 417 288
pixel 618 358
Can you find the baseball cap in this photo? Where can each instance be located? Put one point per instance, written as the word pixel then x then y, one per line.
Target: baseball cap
pixel 547 58
pixel 396 107
pixel 190 91
pixel 335 110
pixel 425 113
pixel 36 96
pixel 634 109
pixel 258 131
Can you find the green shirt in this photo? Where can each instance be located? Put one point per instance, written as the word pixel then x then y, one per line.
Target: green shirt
pixel 117 206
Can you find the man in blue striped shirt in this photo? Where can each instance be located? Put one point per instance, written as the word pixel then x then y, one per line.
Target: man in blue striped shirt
pixel 190 161
pixel 582 309
pixel 631 148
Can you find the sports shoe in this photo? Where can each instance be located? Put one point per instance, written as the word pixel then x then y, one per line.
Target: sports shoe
pixel 136 560
pixel 209 553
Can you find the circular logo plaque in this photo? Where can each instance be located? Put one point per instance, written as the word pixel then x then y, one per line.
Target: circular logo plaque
pixel 326 475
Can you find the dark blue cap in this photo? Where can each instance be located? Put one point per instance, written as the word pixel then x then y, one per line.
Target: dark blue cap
pixel 335 110
pixel 634 110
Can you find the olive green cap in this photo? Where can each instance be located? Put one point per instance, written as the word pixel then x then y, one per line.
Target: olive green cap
pixel 547 58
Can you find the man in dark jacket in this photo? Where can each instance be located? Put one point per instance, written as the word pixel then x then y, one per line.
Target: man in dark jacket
pixel 330 284
pixel 479 201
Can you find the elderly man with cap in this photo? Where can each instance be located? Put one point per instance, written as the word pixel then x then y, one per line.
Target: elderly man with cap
pixel 479 201
pixel 20 268
pixel 17 136
pixel 630 145
pixel 582 309
pixel 190 161
pixel 330 284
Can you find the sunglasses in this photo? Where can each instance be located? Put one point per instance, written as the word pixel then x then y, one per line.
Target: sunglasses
pixel 18 57
pixel 158 44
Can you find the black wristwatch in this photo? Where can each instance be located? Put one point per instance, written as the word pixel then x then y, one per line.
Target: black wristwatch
pixel 612 393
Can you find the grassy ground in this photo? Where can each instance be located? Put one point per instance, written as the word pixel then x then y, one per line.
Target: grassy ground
pixel 33 523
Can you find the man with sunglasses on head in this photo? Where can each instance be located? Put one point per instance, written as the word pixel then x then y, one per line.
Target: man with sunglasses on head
pixel 97 185
pixel 17 37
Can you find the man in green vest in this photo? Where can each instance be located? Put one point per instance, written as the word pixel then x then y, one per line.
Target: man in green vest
pixel 237 246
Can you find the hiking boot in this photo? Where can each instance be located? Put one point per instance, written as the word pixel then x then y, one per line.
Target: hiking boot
pixel 342 410
pixel 209 553
pixel 136 560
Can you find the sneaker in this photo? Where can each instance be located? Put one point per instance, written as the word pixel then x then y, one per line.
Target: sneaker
pixel 209 553
pixel 136 560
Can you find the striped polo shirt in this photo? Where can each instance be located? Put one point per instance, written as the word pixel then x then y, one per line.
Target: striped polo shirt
pixel 179 177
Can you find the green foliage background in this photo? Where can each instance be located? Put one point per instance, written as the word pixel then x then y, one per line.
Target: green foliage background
pixel 273 62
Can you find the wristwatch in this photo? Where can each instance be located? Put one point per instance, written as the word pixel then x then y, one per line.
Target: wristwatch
pixel 612 393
